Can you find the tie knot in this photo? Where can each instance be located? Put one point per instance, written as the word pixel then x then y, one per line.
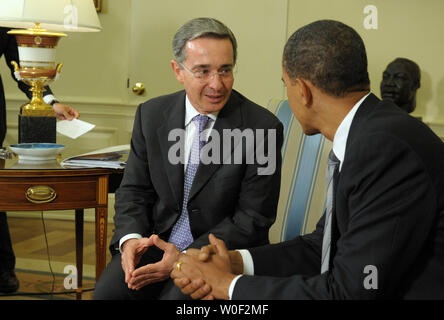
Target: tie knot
pixel 201 121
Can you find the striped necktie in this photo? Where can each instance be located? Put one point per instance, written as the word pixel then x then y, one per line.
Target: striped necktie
pixel 181 234
pixel 332 166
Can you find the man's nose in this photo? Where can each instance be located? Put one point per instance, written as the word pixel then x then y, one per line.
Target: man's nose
pixel 215 81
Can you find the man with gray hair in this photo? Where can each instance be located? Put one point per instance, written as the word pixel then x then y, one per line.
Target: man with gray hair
pixel 164 206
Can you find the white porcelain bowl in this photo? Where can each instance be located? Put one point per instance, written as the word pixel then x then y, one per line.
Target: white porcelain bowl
pixel 37 151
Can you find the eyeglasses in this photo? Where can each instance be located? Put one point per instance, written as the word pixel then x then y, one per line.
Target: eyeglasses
pixel 205 74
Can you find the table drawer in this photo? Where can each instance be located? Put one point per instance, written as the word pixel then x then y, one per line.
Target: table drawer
pixel 51 193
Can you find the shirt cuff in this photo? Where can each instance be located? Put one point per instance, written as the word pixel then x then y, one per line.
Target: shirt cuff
pixel 127 237
pixel 247 262
pixel 232 285
pixel 48 98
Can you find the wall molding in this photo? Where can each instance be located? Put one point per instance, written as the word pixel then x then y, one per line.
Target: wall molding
pixel 81 100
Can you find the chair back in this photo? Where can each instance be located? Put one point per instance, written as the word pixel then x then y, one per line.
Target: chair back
pixel 303 186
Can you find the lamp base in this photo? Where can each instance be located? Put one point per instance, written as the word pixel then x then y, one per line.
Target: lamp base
pixel 37 106
pixel 40 109
pixel 36 129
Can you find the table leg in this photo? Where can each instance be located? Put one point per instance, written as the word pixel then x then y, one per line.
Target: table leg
pixel 101 226
pixel 79 251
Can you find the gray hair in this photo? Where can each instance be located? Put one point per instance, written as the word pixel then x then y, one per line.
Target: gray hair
pixel 201 28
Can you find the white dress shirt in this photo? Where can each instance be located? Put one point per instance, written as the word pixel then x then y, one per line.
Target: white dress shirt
pixel 190 131
pixel 339 144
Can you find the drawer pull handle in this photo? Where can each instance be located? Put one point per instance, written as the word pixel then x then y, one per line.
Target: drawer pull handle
pixel 40 194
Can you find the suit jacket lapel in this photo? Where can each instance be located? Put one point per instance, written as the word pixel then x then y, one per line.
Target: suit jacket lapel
pixel 364 110
pixel 229 118
pixel 174 118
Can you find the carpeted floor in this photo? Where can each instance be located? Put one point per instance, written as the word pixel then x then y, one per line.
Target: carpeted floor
pixel 37 285
pixel 42 277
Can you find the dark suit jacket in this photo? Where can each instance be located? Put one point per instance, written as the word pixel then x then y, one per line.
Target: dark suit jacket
pixel 388 217
pixel 230 200
pixel 8 47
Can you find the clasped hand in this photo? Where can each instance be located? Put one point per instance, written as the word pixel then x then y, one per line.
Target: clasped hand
pixel 206 273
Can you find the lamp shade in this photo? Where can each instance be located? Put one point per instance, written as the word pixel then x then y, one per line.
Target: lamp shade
pixel 53 15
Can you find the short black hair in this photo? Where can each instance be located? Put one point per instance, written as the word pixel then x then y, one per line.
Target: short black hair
pixel 329 54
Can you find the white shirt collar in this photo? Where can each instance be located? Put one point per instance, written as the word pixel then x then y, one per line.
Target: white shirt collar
pixel 191 112
pixel 341 135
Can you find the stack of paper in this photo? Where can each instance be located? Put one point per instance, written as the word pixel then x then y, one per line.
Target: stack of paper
pixel 112 157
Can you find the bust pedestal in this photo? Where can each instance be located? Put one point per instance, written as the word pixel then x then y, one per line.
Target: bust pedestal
pixel 33 129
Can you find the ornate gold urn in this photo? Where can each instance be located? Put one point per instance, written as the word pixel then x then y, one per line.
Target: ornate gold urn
pixel 37 66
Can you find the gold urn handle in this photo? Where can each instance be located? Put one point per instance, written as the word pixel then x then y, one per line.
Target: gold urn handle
pixel 59 67
pixel 139 88
pixel 40 194
pixel 16 66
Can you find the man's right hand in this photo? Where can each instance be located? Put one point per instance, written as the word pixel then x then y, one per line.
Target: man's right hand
pixel 208 272
pixel 132 251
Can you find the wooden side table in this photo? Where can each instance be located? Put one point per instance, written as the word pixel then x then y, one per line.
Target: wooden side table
pixel 51 187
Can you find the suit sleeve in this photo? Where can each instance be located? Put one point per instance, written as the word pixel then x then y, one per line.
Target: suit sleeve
pixel 135 196
pixel 256 206
pixel 390 200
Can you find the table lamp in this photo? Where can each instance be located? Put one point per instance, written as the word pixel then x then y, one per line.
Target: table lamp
pixel 38 25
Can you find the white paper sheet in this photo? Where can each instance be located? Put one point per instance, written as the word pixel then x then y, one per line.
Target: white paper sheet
pixel 74 128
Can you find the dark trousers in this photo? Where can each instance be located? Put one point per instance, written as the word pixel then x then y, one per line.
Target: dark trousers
pixel 7 257
pixel 112 286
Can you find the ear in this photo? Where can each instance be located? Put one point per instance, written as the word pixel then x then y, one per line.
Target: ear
pixel 305 92
pixel 177 70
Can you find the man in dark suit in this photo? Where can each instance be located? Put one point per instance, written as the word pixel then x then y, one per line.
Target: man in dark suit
pixel 8 48
pixel 233 199
pixel 386 218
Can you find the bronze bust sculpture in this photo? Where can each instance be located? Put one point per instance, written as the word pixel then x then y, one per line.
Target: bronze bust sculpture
pixel 400 81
